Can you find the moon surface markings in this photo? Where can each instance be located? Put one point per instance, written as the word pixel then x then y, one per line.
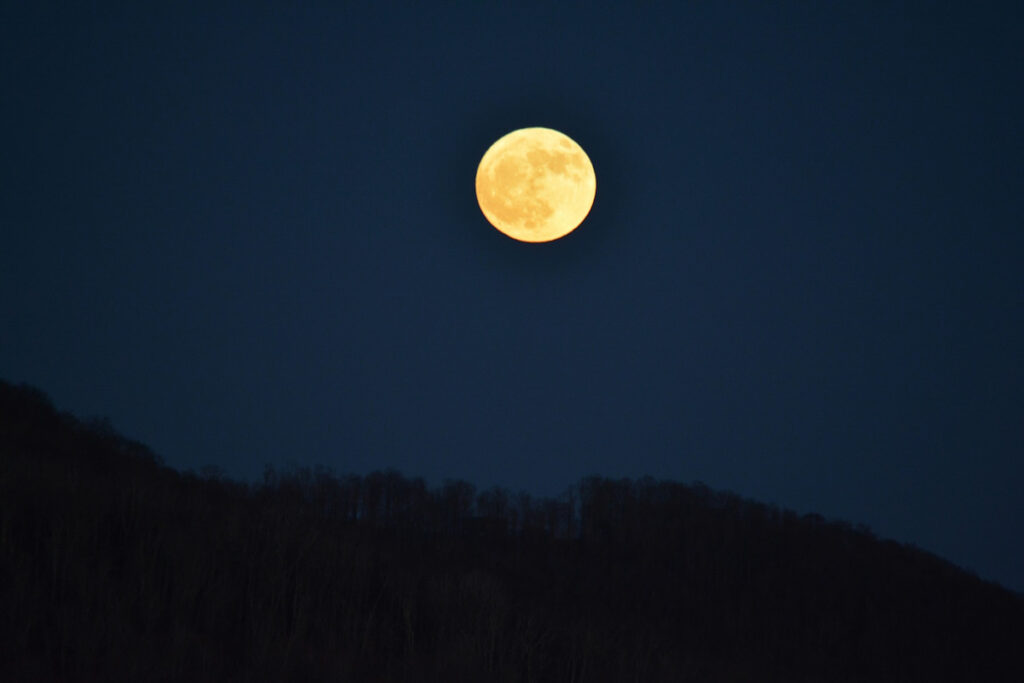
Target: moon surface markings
pixel 535 184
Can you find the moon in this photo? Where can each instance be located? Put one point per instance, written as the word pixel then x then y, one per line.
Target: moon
pixel 535 184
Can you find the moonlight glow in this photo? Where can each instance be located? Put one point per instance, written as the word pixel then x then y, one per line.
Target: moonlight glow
pixel 535 184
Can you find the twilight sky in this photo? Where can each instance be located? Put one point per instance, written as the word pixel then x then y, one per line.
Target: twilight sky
pixel 250 236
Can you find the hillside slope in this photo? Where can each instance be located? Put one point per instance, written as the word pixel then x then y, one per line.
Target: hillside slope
pixel 114 567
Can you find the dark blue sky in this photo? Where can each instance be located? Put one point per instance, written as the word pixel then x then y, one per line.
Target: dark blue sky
pixel 251 236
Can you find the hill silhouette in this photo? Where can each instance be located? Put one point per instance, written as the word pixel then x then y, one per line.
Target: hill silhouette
pixel 114 567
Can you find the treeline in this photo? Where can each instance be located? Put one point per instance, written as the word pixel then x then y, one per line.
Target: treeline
pixel 114 567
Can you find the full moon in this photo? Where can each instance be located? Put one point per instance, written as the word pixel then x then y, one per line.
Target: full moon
pixel 535 184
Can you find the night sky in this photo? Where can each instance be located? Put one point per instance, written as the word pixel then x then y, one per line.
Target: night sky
pixel 250 237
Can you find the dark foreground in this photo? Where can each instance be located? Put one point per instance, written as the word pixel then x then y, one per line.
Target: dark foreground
pixel 113 567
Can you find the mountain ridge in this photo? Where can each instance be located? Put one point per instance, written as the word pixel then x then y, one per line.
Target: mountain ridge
pixel 116 567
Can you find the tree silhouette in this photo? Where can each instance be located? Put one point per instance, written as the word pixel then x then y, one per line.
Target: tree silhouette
pixel 114 567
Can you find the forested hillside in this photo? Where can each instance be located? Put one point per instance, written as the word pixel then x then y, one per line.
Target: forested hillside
pixel 114 567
